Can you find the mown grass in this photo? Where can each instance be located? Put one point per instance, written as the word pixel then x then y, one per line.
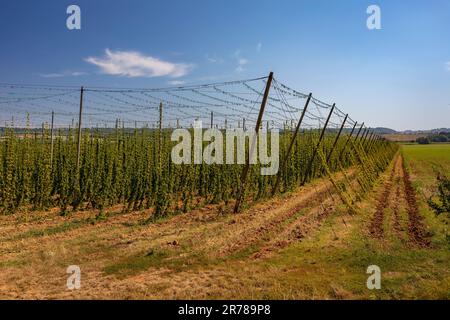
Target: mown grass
pixel 329 263
pixel 426 161
pixel 325 266
pixel 64 227
pixel 177 260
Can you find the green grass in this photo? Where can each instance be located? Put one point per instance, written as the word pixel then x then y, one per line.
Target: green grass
pixel 426 160
pixel 64 227
pixel 325 267
pixel 158 258
pixel 12 264
pixel 135 264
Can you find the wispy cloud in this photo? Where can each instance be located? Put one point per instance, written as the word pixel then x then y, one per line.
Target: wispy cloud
pixel 214 77
pixel 135 64
pixel 214 59
pixel 259 47
pixel 78 73
pixel 241 62
pixel 448 65
pixel 63 74
pixel 176 82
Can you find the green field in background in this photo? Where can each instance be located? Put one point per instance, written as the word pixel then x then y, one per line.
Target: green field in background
pixel 425 161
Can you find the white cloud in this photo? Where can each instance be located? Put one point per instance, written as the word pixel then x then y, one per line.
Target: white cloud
pixel 448 65
pixel 214 59
pixel 78 73
pixel 239 69
pixel 51 75
pixel 241 62
pixel 135 64
pixel 259 47
pixel 176 82
pixel 63 74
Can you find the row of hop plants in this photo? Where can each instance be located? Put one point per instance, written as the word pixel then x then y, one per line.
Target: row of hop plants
pixel 134 168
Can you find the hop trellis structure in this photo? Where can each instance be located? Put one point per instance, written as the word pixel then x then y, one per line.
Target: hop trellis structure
pixel 90 147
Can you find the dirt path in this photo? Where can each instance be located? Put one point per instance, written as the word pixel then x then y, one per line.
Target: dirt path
pixel 397 208
pixel 416 229
pixel 376 227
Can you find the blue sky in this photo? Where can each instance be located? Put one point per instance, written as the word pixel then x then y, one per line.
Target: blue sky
pixel 397 77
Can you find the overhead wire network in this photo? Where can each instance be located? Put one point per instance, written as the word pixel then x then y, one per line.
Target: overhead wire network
pixel 232 104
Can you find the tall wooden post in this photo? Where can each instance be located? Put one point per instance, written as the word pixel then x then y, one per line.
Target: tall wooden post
pixel 337 138
pixel 283 166
pixel 51 141
pixel 362 134
pixel 359 131
pixel 212 119
pixel 311 160
pixel 348 139
pixel 252 146
pixel 79 129
pixel 160 134
pixel 364 137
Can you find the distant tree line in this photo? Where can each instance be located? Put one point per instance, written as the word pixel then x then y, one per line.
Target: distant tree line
pixel 433 138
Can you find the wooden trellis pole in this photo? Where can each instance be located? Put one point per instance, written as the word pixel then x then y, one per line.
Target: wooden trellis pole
pixel 51 141
pixel 337 138
pixel 359 131
pixel 212 119
pixel 251 145
pixel 307 172
pixel 346 142
pixel 283 166
pixel 79 129
pixel 364 137
pixel 160 135
pixel 369 140
pixel 361 137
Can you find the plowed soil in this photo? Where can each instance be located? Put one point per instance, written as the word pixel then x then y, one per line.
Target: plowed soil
pixel 398 194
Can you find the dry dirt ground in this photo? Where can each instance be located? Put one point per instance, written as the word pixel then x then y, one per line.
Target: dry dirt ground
pixel 404 219
pixel 301 245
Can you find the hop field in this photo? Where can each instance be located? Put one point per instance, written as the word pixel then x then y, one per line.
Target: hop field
pixel 134 168
pixel 74 167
